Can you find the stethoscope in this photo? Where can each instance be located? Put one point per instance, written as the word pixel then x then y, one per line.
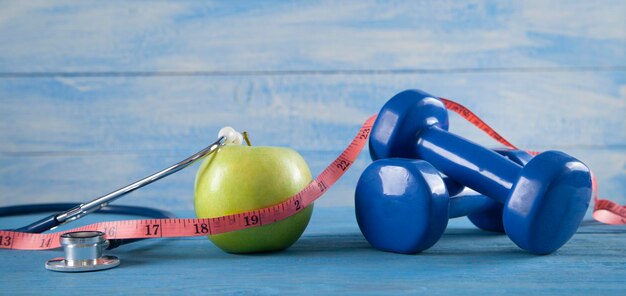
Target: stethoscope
pixel 86 246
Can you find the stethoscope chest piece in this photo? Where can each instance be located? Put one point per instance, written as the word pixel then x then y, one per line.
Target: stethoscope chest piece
pixel 83 252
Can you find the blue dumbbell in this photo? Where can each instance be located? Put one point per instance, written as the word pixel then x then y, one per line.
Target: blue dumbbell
pixel 484 219
pixel 486 216
pixel 407 234
pixel 490 217
pixel 544 201
pixel 403 205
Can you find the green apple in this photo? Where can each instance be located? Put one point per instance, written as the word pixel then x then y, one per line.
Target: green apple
pixel 242 178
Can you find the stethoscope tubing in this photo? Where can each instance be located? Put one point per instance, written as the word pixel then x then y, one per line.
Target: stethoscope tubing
pixel 101 203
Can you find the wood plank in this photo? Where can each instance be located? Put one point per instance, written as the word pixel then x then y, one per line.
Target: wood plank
pixel 42 37
pixel 332 258
pixel 534 110
pixel 85 177
pixel 93 96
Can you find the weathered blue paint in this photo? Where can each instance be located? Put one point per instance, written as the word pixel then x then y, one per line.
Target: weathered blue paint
pixel 94 95
pixel 333 258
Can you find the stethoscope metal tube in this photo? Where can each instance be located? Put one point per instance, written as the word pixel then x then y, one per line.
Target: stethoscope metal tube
pixel 100 202
pixel 83 249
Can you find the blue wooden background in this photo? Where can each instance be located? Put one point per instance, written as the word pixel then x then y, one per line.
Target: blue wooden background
pixel 94 95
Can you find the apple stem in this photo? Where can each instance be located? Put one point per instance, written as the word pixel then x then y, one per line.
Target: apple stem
pixel 245 137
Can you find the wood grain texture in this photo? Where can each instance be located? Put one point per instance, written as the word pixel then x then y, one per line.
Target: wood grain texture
pixel 333 258
pixel 94 95
pixel 94 140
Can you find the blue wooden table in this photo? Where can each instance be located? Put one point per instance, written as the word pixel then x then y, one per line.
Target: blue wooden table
pixel 332 257
pixel 94 95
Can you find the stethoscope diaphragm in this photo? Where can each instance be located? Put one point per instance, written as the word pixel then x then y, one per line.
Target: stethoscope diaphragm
pixel 83 252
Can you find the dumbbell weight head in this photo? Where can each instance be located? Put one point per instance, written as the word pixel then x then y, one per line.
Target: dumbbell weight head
pixel 400 121
pixel 547 203
pixel 401 205
pixel 490 218
pixel 547 198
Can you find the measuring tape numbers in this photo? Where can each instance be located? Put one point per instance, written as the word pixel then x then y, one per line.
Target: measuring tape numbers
pixel 605 211
pixel 183 227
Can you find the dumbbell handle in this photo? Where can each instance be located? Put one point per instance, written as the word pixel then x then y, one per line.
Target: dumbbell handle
pixel 468 203
pixel 453 187
pixel 470 164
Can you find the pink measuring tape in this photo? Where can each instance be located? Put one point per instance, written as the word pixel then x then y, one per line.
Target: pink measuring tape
pixel 605 211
